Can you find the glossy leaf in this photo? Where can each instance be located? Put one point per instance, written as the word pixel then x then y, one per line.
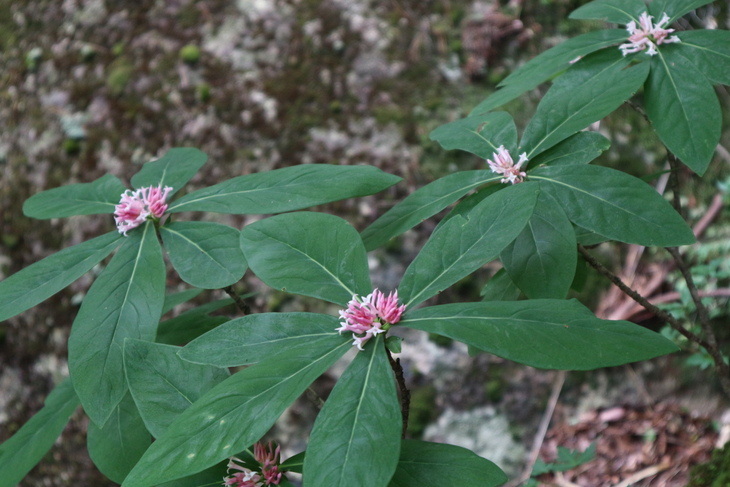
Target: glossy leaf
pixel 586 93
pixel 462 245
pixel 709 51
pixel 614 204
pixel 287 189
pixel 100 196
pixel 426 464
pixel 542 259
pixel 119 445
pixel 174 169
pixel 546 65
pixel 125 301
pixel 313 254
pixel 230 417
pixel 674 8
pixel 500 287
pixel 191 324
pixel 424 203
pixel 580 148
pixel 542 333
pixel 479 134
pixel 616 11
pixel 162 384
pixel 20 453
pixel 205 254
pixel 683 109
pixel 355 440
pixel 41 280
pixel 256 337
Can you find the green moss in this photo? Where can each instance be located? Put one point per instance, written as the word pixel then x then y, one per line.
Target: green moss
pixel 202 91
pixel 190 54
pixel 714 473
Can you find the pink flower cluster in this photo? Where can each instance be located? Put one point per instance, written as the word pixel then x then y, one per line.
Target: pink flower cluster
pixel 647 35
pixel 269 459
pixel 137 206
pixel 503 164
pixel 370 316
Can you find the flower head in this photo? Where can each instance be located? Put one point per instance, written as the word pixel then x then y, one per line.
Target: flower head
pixel 647 35
pixel 137 206
pixel 503 164
pixel 370 316
pixel 244 477
pixel 269 460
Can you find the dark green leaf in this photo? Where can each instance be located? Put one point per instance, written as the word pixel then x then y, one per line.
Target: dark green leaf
pixel 100 196
pixel 546 65
pixel 355 440
pixel 41 280
pixel 192 323
pixel 580 148
pixel 709 51
pixel 175 299
pixel 500 288
pixel 256 337
pixel 294 463
pixel 230 417
pixel 287 189
pixel 683 108
pixel 616 11
pixel 210 477
pixel 614 204
pixel 425 464
pixel 174 169
pixel 674 8
pixel 541 260
pixel 586 93
pixel 462 245
pixel 313 254
pixel 119 445
pixel 542 333
pixel 479 134
pixel 205 254
pixel 20 452
pixel 162 384
pixel 125 301
pixel 424 203
pixel 587 237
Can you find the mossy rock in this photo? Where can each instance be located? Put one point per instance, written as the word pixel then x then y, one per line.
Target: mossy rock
pixel 714 473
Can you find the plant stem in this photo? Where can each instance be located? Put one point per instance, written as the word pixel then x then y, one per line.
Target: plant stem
pixel 240 303
pixel 405 394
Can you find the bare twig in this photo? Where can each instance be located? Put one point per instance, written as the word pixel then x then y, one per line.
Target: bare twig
pixel 405 394
pixel 240 303
pixel 642 474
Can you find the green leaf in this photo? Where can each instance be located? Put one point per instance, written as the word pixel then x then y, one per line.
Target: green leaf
pixel 542 259
pixel 614 204
pixel 162 384
pixel 479 134
pixel 174 169
pixel 586 237
pixel 710 52
pixel 674 8
pixel 424 203
pixel 425 464
pixel 125 301
pixel 580 148
pixel 294 463
pixel 253 338
pixel 567 460
pixel 100 196
pixel 205 254
pixel 500 288
pixel 178 298
pixel 683 108
pixel 587 92
pixel 546 65
pixel 355 440
pixel 287 189
pixel 192 323
pixel 119 445
pixel 231 416
pixel 462 245
pixel 313 254
pixel 542 333
pixel 210 477
pixel 20 452
pixel 616 11
pixel 41 280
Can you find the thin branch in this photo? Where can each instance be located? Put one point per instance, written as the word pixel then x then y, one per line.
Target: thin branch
pixel 405 394
pixel 240 303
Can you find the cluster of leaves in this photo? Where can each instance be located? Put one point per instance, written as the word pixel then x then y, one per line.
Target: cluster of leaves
pixel 137 378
